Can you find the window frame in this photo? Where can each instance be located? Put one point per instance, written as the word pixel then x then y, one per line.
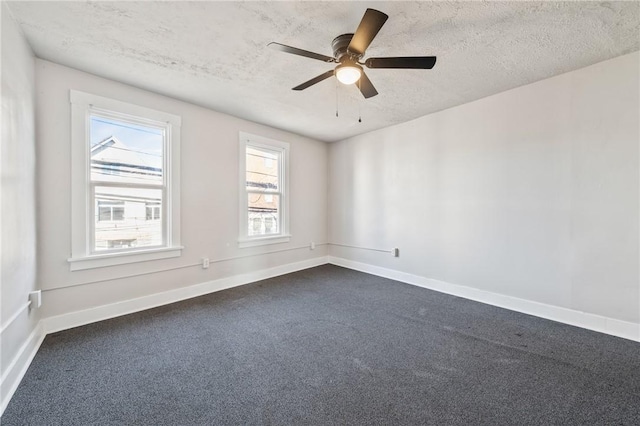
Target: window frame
pixel 83 254
pixel 282 148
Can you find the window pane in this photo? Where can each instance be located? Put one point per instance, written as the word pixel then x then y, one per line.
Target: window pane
pixel 264 216
pixel 121 218
pixel 104 213
pixel 262 169
pixel 153 211
pixel 125 152
pixel 118 213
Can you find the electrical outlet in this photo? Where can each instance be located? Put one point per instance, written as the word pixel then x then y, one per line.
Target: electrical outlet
pixel 205 262
pixel 313 245
pixel 35 297
pixel 396 252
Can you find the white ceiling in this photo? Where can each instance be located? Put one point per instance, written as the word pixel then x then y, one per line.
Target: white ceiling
pixel 214 54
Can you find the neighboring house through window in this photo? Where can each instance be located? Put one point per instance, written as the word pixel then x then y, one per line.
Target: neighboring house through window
pixel 125 167
pixel 263 191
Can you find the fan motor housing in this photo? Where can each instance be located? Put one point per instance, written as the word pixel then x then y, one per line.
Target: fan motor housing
pixel 340 45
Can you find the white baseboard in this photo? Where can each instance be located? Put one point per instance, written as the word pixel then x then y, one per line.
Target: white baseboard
pixel 100 313
pixel 602 324
pixel 14 373
pixel 16 370
pixel 12 376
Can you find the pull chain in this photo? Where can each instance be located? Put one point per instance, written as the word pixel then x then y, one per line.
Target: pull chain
pixel 360 101
pixel 336 97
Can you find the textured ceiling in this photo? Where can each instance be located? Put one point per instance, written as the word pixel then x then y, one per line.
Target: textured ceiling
pixel 214 54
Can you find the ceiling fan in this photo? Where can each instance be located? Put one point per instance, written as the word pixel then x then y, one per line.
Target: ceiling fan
pixel 348 50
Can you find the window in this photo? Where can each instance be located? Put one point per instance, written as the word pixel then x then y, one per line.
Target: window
pixel 263 191
pixel 153 211
pixel 125 177
pixel 110 210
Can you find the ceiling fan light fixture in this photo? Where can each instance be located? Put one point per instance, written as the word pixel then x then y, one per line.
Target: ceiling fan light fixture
pixel 348 52
pixel 348 73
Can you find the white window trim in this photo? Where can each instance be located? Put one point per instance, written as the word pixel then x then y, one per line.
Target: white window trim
pixel 81 255
pixel 283 236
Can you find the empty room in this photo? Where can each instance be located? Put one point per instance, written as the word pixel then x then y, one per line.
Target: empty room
pixel 320 213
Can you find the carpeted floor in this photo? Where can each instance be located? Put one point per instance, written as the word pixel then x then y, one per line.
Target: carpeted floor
pixel 329 346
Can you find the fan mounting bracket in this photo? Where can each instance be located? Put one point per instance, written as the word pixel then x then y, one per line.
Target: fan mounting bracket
pixel 339 46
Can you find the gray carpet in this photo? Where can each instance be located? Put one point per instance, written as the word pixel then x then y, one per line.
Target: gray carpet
pixel 329 346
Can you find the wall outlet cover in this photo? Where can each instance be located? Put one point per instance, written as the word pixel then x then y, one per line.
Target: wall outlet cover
pixel 35 297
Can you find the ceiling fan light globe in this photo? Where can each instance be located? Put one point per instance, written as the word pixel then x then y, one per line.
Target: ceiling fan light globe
pixel 348 74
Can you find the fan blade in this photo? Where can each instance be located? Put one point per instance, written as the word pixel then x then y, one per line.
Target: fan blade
pixel 417 62
pixel 300 52
pixel 366 87
pixel 313 81
pixel 371 23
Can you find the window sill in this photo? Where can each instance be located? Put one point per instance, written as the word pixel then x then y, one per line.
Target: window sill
pixel 121 258
pixel 263 241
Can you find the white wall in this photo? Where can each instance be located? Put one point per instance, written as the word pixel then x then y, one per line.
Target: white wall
pixel 209 198
pixel 531 193
pixel 17 199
